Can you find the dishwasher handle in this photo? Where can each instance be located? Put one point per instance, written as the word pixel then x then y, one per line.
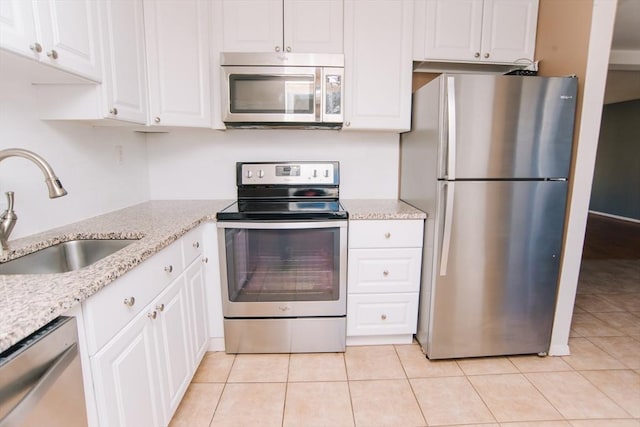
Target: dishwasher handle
pixel 19 412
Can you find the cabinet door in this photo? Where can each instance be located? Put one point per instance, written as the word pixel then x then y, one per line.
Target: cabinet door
pixel 313 26
pixel 197 303
pixel 125 377
pixel 125 79
pixel 177 41
pixel 509 30
pixel 453 30
pixel 69 33
pixel 173 345
pixel 251 25
pixel 378 67
pixel 17 27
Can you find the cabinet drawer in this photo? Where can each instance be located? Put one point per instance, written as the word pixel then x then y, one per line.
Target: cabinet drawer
pixel 384 270
pixel 108 311
pixel 166 265
pixel 192 246
pixel 386 234
pixel 382 314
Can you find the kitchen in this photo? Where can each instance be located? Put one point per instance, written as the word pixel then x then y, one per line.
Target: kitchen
pixel 148 165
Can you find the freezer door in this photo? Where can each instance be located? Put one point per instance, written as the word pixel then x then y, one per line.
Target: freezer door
pixel 507 126
pixel 495 269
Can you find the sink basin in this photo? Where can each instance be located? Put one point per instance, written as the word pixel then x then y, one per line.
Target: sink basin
pixel 64 257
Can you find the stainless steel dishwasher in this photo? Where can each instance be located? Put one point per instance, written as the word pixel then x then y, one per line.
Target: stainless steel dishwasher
pixel 41 379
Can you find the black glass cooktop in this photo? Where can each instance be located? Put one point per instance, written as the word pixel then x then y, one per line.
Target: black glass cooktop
pixel 283 210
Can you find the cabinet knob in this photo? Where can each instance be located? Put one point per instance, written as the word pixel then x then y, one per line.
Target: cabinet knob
pixel 385 273
pixel 205 260
pixel 169 269
pixel 277 48
pixel 486 55
pixel 383 317
pixel 387 235
pixel 347 124
pixel 157 120
pixel 476 55
pixel 113 111
pixel 160 307
pixel 53 54
pixel 288 48
pixel 152 315
pixel 36 47
pixel 196 245
pixel 129 302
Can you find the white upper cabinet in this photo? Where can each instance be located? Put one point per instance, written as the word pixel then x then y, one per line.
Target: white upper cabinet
pixel 300 26
pixel 125 77
pixel 492 31
pixel 378 67
pixel 63 34
pixel 177 42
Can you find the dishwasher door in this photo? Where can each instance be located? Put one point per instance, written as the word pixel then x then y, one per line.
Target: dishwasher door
pixel 41 379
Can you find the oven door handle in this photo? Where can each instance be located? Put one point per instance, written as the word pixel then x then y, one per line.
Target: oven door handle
pixel 279 225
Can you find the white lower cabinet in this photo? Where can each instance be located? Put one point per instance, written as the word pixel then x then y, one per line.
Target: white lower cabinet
pixel 383 281
pixel 143 357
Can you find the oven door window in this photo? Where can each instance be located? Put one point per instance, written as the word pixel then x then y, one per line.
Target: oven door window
pixel 283 264
pixel 277 94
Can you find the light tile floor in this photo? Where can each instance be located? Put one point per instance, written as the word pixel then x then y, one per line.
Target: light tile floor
pixel 597 386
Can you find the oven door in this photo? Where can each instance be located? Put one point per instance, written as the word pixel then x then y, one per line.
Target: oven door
pixel 283 269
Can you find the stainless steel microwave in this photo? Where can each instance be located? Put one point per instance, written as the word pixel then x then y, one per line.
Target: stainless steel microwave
pixel 282 90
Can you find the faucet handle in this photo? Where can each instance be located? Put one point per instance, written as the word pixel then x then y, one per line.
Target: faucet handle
pixel 10 195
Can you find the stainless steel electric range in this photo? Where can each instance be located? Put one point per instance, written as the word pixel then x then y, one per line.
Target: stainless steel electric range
pixel 283 253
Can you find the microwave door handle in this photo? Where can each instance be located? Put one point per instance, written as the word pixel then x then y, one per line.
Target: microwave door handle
pixel 319 102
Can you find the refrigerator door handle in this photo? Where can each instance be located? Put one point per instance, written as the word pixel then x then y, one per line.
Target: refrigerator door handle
pixel 451 131
pixel 448 219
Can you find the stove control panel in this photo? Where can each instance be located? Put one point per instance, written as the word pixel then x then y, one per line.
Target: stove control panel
pixel 288 173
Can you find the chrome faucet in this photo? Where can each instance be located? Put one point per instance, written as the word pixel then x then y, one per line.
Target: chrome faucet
pixel 9 217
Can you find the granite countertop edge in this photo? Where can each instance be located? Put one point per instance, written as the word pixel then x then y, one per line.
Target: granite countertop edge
pixel 30 301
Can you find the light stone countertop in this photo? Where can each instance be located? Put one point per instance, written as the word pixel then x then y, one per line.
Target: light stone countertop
pixel 373 209
pixel 30 301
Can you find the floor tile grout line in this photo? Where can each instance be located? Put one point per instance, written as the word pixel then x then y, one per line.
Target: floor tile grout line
pixel 413 392
pixel 286 389
pixel 544 396
pixel 604 392
pixel 224 387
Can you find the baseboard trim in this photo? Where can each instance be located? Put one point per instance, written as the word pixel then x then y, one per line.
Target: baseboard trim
pixel 621 218
pixel 215 344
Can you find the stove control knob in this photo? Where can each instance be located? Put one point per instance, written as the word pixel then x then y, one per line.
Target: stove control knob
pixel 249 174
pixel 326 173
pixel 260 173
pixel 315 173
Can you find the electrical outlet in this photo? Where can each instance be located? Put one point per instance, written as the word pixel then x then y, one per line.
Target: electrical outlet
pixel 119 155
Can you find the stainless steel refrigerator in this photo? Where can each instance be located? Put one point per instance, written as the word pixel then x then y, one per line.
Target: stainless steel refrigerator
pixel 488 158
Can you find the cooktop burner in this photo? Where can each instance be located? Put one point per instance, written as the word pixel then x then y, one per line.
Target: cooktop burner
pixel 286 191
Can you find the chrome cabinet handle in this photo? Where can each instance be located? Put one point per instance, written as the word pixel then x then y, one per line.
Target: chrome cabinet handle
pixel 152 315
pixel 277 48
pixel 387 235
pixel 347 124
pixel 129 302
pixel 288 48
pixel 196 245
pixel 36 47
pixel 160 307
pixel 385 273
pixel 53 54
pixel 383 317
pixel 169 269
pixel 157 120
pixel 476 55
pixel 113 111
pixel 486 55
pixel 205 260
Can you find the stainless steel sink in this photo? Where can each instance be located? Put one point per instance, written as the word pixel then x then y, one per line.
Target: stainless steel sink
pixel 64 257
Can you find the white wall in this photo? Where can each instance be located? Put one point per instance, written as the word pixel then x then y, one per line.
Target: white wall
pixel 200 164
pixel 84 158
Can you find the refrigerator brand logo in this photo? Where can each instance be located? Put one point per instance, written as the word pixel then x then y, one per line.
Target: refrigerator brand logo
pixel 566 97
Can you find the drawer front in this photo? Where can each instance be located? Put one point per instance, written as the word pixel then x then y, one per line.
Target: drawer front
pixel 386 234
pixel 108 311
pixel 384 270
pixel 166 265
pixel 192 246
pixel 382 314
